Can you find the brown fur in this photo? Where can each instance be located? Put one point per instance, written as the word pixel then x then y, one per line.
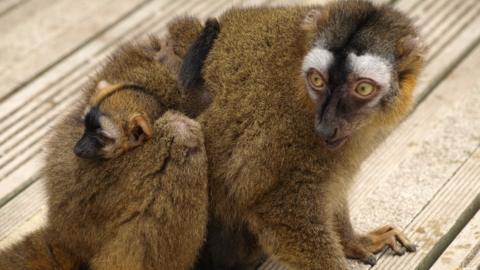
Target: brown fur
pixel 38 252
pixel 146 209
pixel 141 210
pixel 268 169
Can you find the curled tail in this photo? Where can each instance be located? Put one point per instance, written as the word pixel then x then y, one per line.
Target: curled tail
pixel 190 76
pixel 37 252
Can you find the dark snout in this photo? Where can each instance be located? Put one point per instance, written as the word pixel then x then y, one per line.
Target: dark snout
pixel 87 147
pixel 330 132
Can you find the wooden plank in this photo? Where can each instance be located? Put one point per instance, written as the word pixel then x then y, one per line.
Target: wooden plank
pixel 463 250
pixel 41 32
pixel 413 169
pixel 434 73
pixel 25 227
pixel 448 45
pixel 475 262
pixel 21 209
pixel 443 218
pixel 7 6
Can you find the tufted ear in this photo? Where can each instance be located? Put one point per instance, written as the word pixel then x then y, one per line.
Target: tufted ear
pixel 410 53
pixel 139 128
pixel 313 18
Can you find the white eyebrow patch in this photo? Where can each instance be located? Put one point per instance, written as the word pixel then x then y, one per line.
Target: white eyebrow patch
pixel 372 67
pixel 318 58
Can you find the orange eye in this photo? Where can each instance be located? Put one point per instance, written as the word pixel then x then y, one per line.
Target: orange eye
pixel 316 80
pixel 365 89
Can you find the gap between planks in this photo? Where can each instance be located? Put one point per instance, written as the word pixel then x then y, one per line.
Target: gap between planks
pixel 43 32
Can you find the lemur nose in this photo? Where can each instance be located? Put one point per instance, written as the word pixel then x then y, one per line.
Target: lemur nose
pixel 327 131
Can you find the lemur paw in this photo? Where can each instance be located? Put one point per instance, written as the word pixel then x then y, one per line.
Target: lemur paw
pixel 185 131
pixel 388 236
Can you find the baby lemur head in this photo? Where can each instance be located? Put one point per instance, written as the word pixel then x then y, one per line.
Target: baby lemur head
pixel 118 117
pixel 360 68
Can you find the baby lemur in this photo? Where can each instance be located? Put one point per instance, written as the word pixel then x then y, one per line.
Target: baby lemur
pixel 114 127
pixel 145 209
pixel 294 114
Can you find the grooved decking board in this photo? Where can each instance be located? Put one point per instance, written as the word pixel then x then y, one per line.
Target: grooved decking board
pixel 41 32
pixel 30 202
pixel 26 122
pixel 465 248
pixel 419 171
pixel 7 6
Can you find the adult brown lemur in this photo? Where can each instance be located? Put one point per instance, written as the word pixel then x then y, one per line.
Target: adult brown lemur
pixel 294 113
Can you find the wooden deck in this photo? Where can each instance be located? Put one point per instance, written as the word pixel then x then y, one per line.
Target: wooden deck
pixel 424 178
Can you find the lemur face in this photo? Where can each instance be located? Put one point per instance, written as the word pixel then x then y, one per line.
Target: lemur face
pixel 345 87
pixel 101 138
pixel 353 72
pixel 115 121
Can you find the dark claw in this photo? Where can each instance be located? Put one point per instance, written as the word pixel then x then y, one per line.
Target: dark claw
pixel 411 248
pixel 370 260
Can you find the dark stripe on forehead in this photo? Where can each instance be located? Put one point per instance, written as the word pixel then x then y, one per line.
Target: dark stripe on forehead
pixel 92 119
pixel 348 24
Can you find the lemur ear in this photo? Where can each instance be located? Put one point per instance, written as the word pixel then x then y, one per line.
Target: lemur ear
pixel 102 84
pixel 410 52
pixel 103 89
pixel 313 18
pixel 410 44
pixel 139 128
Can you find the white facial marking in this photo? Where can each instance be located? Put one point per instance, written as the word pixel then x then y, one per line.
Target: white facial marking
pixel 319 59
pixel 372 67
pixel 109 128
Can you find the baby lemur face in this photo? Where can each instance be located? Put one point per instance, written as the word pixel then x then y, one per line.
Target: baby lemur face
pixel 116 120
pixel 359 65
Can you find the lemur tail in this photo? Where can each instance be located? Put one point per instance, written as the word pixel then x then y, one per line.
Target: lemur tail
pixel 36 252
pixel 190 76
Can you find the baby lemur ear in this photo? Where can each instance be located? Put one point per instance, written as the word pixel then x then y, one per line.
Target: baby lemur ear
pixel 102 84
pixel 313 19
pixel 103 89
pixel 139 128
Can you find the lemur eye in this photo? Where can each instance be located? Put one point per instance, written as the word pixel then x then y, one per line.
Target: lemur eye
pixel 365 89
pixel 105 136
pixel 316 80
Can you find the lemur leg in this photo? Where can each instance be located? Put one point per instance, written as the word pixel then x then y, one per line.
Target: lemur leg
pixel 294 226
pixel 362 247
pixel 168 228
